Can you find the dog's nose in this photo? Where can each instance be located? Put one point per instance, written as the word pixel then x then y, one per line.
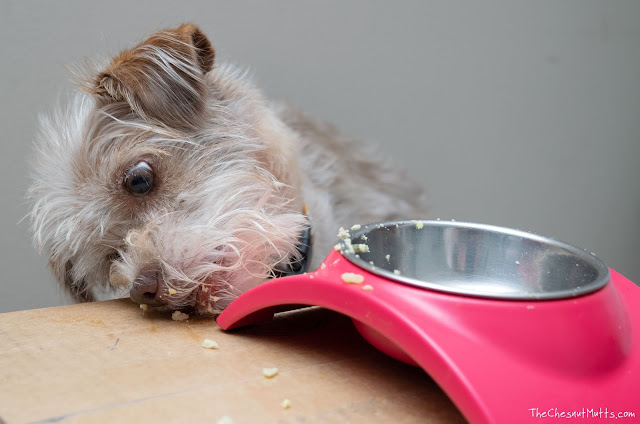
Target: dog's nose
pixel 145 289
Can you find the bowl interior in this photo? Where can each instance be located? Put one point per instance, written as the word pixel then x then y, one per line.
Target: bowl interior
pixel 475 260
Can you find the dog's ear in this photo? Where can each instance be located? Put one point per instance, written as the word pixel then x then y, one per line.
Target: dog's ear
pixel 162 79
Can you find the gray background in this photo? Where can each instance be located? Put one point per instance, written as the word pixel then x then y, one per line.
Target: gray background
pixel 523 114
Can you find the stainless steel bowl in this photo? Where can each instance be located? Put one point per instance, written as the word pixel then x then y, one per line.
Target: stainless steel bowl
pixel 476 260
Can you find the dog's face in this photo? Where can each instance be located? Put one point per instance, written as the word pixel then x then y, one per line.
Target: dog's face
pixel 167 178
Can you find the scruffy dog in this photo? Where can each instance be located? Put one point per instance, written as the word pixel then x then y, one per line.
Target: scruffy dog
pixel 171 176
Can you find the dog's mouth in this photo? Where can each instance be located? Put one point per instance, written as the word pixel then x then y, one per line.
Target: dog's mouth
pixel 202 300
pixel 208 296
pixel 206 301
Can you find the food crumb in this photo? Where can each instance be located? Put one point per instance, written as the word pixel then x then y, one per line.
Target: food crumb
pixel 213 311
pixel 367 287
pixel 356 227
pixel 337 247
pixel 351 278
pixel 144 307
pixel 387 257
pixel 172 291
pixel 364 238
pixel 343 234
pixel 517 262
pixel 269 372
pixel 225 420
pixel 210 344
pixel 361 248
pixel 396 272
pixel 419 224
pixel 179 316
pixel 348 245
pixel 286 404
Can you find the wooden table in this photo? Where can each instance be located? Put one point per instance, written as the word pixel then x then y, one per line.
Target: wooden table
pixel 112 362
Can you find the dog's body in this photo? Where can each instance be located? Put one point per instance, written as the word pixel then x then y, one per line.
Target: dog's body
pixel 177 179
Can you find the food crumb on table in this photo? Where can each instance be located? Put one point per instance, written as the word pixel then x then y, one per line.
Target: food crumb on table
pixel 179 316
pixel 270 372
pixel 210 344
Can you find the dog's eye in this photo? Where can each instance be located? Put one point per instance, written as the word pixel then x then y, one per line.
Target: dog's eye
pixel 139 179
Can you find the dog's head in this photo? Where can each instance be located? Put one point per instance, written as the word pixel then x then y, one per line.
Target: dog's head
pixel 167 175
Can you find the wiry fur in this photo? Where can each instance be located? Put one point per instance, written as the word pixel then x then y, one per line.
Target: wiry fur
pixel 232 171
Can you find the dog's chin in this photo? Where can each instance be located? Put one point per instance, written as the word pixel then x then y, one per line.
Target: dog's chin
pixel 206 303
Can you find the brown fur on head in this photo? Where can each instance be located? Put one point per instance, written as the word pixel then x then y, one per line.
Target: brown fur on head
pixel 171 91
pixel 169 175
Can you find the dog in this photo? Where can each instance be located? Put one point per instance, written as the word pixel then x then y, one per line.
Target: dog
pixel 170 177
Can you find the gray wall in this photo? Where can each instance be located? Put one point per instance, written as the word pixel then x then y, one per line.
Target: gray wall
pixel 523 114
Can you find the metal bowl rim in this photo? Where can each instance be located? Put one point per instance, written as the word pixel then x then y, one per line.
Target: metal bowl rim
pixel 599 282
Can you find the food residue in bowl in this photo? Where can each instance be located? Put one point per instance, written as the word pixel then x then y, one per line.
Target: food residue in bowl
pixel 343 234
pixel 360 248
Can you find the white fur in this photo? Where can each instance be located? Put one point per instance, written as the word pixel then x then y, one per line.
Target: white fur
pixel 228 207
